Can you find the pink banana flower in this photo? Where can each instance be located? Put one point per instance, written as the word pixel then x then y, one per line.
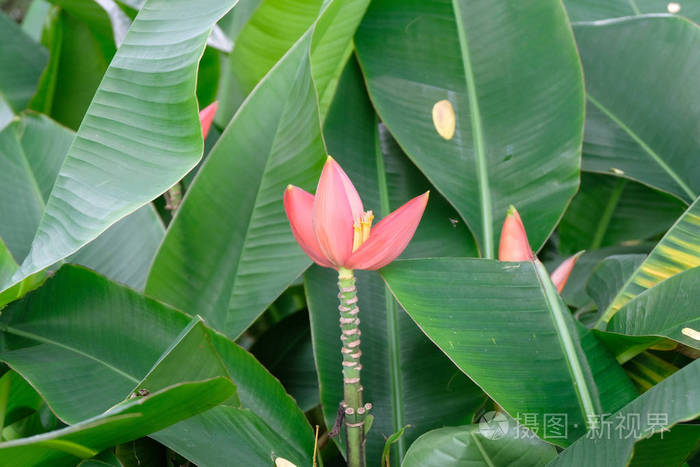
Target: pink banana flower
pixel 206 116
pixel 563 271
pixel 514 246
pixel 336 232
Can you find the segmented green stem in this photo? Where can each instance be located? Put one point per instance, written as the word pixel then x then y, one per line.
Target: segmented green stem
pixel 355 410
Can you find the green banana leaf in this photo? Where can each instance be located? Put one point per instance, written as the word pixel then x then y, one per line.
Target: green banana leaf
pixel 384 176
pixel 648 139
pixel 332 45
pixel 228 252
pixel 193 356
pixel 217 41
pixel 140 452
pixel 677 251
pixel 513 79
pixel 669 309
pixel 21 63
pixel 591 10
pixel 141 133
pixel 648 369
pixel 8 267
pixel 107 21
pixel 44 144
pixel 106 458
pixel 399 355
pixel 277 136
pixel 574 293
pixel 208 81
pixel 674 400
pixel 606 280
pixel 103 339
pixel 229 93
pixel 272 30
pixel 688 9
pixel 125 251
pixel 124 422
pixel 33 149
pixel 22 202
pixel 78 60
pixel 608 211
pixel 232 23
pixel 610 275
pixel 21 399
pixel 666 448
pixel 286 351
pixel 505 326
pixel 471 445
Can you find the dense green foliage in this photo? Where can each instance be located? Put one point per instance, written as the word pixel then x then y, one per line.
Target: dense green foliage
pixel 155 308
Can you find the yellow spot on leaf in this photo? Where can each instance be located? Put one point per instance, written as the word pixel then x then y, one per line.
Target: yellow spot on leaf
pixel 673 7
pixel 692 333
pixel 444 119
pixel 282 462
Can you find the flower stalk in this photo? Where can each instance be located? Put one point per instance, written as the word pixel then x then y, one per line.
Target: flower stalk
pixel 355 411
pixel 335 231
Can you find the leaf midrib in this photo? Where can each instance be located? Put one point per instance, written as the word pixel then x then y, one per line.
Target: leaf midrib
pixel 478 136
pixel 482 451
pixel 655 157
pixel 44 340
pixel 571 356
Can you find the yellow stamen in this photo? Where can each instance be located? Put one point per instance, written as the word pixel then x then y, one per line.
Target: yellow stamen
pixel 361 228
